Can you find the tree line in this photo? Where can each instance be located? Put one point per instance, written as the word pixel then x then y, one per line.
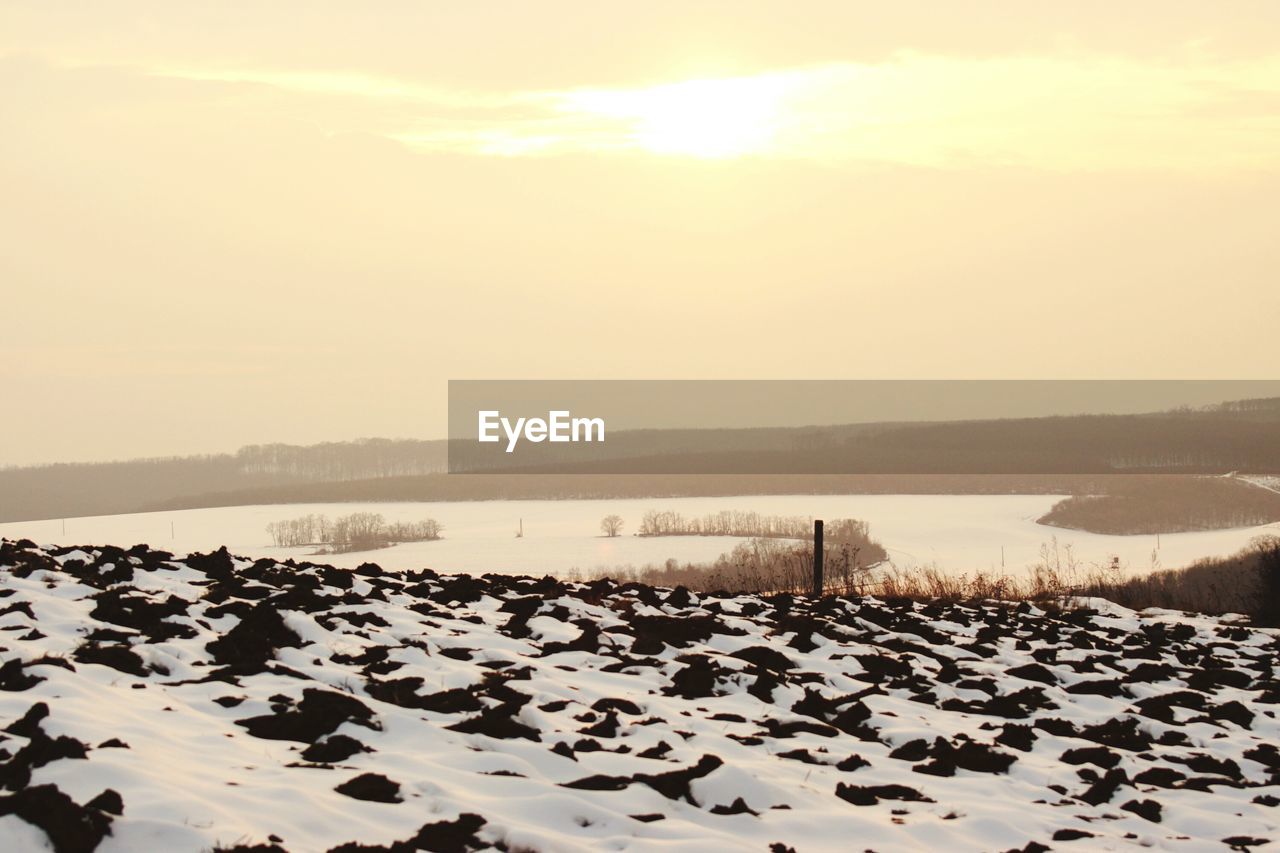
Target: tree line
pixel 359 531
pixel 1239 436
pixel 753 525
pixel 1063 455
pixel 66 490
pixel 343 460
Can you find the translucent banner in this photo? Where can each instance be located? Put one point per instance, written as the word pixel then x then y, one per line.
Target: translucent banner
pixel 864 426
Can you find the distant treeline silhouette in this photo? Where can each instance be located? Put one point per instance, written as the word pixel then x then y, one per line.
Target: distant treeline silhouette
pixel 1133 505
pixel 359 531
pixel 76 489
pixel 343 460
pixel 1244 436
pixel 1064 455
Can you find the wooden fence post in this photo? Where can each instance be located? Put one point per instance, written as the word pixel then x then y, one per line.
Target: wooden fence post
pixel 817 558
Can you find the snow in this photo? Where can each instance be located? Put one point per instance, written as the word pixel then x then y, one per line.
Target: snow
pixel 958 533
pixel 1267 482
pixel 194 775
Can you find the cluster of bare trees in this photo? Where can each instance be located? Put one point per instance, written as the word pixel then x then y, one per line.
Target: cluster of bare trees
pixel 359 531
pixel 752 524
pixel 304 530
pixel 724 523
pixel 427 530
pixel 611 525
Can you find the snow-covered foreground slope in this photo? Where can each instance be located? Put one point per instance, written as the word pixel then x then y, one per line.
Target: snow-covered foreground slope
pixel 153 703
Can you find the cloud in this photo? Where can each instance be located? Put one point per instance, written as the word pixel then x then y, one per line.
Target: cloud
pixel 1056 112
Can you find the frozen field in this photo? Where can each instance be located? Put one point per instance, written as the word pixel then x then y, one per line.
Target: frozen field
pixel 960 533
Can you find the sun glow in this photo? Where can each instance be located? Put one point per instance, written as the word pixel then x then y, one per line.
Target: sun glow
pixel 914 109
pixel 701 118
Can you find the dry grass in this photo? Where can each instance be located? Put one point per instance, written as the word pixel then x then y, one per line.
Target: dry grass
pixel 762 566
pixel 768 566
pixel 1247 583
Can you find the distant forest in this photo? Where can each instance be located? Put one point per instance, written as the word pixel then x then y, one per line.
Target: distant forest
pixel 79 489
pixel 1239 436
pixel 1075 455
pixel 1132 505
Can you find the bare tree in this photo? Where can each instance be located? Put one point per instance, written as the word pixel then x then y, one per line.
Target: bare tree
pixel 611 525
pixel 360 531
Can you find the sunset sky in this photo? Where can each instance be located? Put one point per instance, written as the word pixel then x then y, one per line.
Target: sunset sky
pixel 225 223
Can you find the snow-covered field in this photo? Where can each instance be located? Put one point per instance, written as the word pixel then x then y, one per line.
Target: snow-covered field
pixel 154 704
pixel 960 533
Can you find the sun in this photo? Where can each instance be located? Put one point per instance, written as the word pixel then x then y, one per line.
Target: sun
pixel 707 118
pixel 716 118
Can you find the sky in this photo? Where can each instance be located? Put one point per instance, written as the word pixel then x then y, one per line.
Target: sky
pixel 235 223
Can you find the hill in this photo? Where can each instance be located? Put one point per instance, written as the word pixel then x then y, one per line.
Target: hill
pixel 1069 454
pixel 67 490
